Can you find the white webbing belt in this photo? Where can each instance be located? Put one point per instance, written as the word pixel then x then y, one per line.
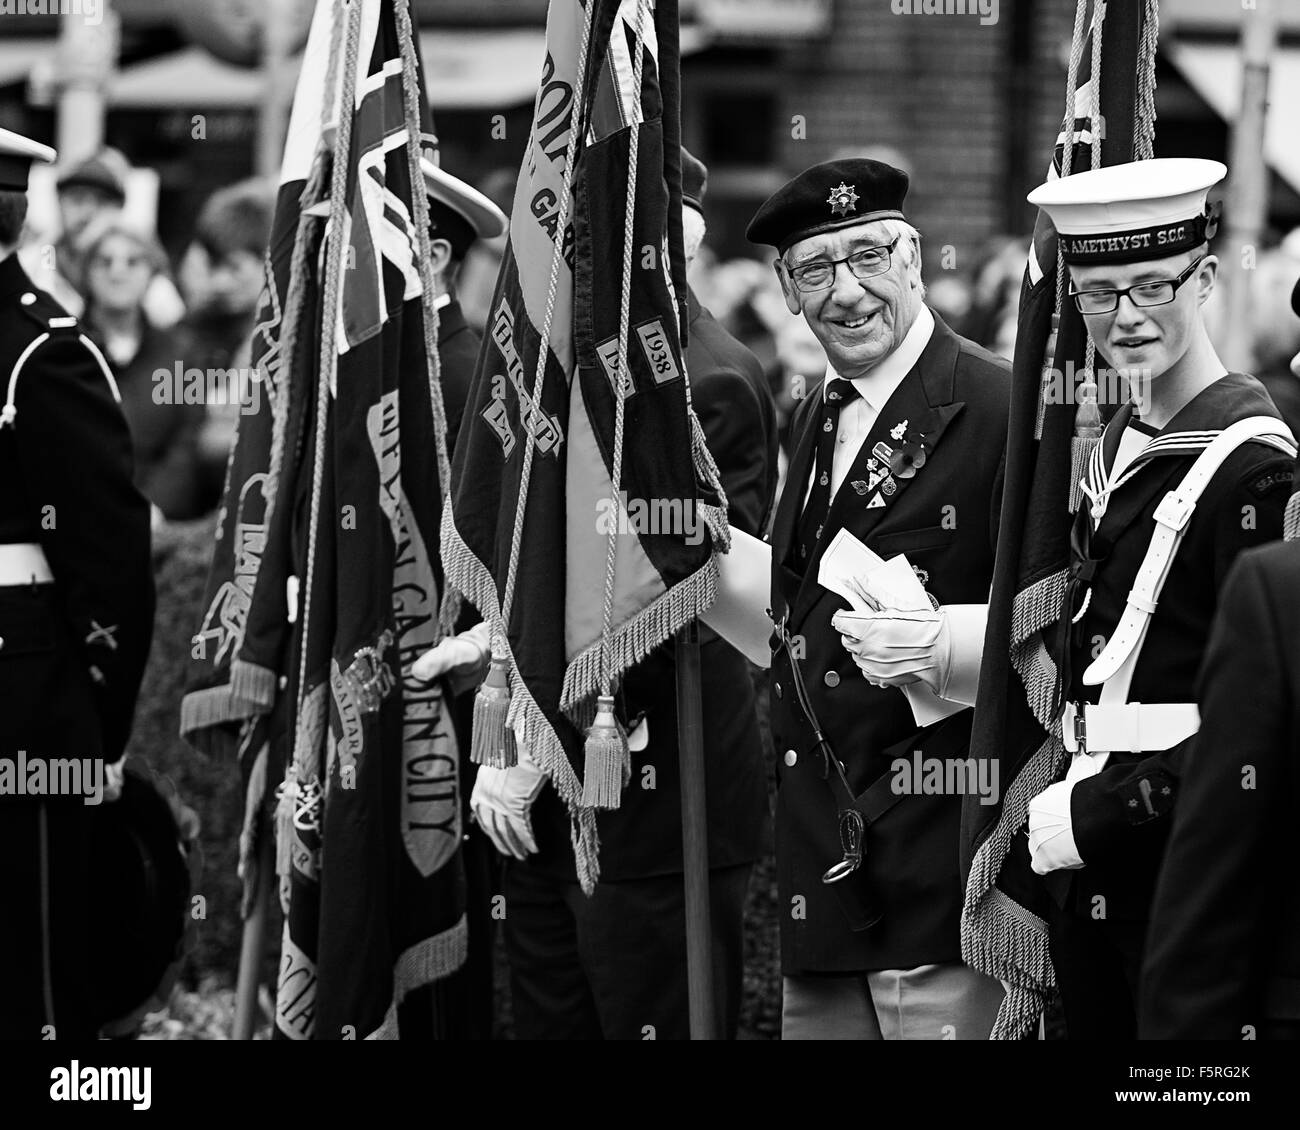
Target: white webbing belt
pixel 1114 723
pixel 24 563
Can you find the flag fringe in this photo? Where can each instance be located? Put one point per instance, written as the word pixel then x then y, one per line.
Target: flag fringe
pixel 999 937
pixel 637 637
pixel 203 714
pixel 431 959
pixel 253 684
pixel 530 725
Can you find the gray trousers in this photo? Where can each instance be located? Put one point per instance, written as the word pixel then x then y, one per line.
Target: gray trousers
pixel 931 1002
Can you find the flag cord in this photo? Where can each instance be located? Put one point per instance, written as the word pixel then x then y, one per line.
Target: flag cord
pixel 420 217
pixel 539 374
pixel 300 795
pixel 608 759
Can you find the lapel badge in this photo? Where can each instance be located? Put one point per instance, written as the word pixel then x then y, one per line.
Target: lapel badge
pixel 898 430
pixel 860 486
pixel 905 461
pixel 889 486
pixel 883 452
pixel 843 199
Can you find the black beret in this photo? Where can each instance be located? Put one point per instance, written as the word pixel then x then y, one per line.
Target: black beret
pixel 835 194
pixel 695 179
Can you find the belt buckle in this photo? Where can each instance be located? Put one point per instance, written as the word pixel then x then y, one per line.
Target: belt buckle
pixel 1078 727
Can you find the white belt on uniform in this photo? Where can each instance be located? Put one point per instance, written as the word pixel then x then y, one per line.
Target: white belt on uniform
pixel 24 563
pixel 1132 727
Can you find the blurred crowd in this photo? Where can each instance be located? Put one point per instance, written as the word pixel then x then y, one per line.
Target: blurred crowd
pixel 148 315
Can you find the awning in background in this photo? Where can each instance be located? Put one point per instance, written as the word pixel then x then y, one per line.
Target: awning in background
pixel 1213 70
pixel 463 71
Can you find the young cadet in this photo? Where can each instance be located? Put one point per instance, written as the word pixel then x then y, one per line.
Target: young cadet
pixel 1194 469
pixel 76 616
pixel 901 446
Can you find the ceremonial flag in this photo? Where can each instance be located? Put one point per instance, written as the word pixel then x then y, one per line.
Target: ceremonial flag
pixel 1004 931
pixel 306 653
pixel 585 507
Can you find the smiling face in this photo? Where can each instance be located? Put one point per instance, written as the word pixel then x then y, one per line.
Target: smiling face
pixel 857 321
pixel 1150 338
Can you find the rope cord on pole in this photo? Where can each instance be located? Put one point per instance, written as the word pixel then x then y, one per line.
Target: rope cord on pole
pixel 624 373
pixel 576 129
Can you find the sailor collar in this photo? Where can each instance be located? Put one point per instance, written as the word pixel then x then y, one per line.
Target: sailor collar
pixel 1233 397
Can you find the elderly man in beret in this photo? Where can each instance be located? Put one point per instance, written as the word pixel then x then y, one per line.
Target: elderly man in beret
pixel 901 448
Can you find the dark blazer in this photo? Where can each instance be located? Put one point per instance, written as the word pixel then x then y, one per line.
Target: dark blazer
pixel 945 520
pixel 643 837
pixel 1223 953
pixel 73 653
pixel 1121 816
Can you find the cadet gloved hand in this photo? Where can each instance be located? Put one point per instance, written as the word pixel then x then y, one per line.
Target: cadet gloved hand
pixel 502 802
pixel 463 659
pixel 1051 828
pixel 895 648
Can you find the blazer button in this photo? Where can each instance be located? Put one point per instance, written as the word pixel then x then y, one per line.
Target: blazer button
pixel 831 678
pixel 2 642
pixel 790 758
pixel 777 688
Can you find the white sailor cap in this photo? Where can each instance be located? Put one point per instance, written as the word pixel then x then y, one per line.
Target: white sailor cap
pixel 16 156
pixel 459 213
pixel 1132 212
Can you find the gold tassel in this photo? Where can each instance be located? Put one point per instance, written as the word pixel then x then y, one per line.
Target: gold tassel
pixel 608 760
pixel 493 740
pixel 1087 434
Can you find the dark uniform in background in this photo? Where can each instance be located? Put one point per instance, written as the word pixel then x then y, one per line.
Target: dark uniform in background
pixel 613 966
pixel 1223 961
pixel 956 396
pixel 76 615
pixel 459 215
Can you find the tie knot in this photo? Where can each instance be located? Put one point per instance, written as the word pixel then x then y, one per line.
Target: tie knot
pixel 839 392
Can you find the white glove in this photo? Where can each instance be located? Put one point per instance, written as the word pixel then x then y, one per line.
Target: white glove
pixel 896 647
pixel 1051 830
pixel 502 801
pixel 463 659
pixel 114 777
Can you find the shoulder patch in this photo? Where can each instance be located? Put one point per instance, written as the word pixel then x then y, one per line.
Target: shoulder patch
pixel 1274 478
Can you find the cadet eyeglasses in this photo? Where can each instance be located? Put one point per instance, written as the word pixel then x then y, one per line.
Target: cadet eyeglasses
pixel 1159 293
pixel 864 264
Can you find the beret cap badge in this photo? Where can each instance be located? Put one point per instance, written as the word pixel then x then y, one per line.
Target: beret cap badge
pixel 843 199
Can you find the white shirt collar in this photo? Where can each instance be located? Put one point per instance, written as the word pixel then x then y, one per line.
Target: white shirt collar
pixel 441 301
pixel 887 374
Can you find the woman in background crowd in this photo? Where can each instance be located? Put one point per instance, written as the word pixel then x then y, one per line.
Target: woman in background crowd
pixel 120 263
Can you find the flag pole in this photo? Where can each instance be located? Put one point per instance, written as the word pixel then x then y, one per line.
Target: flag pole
pixel 253 945
pixel 1247 205
pixel 695 843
